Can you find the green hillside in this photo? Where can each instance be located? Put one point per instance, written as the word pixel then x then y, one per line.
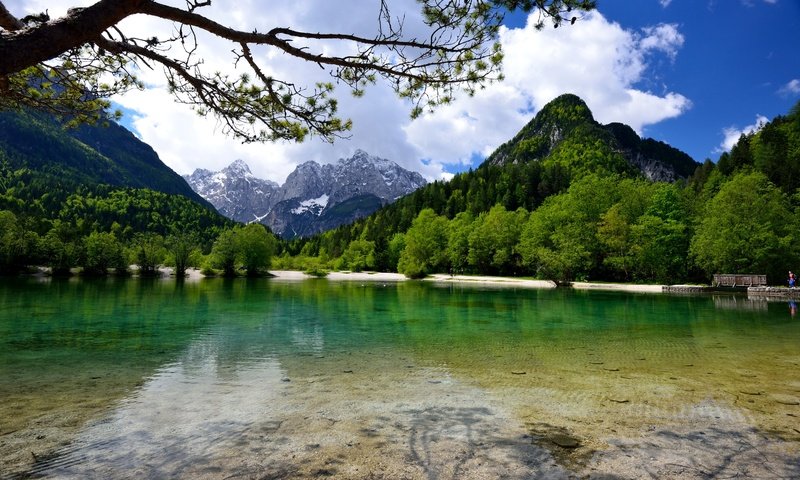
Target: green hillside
pixel 87 155
pixel 63 190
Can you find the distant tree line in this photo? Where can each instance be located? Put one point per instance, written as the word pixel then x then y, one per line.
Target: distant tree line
pixel 238 249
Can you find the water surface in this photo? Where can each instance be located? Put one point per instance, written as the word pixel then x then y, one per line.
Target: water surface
pixel 268 379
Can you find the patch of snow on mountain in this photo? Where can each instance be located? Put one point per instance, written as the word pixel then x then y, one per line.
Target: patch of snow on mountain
pixel 316 205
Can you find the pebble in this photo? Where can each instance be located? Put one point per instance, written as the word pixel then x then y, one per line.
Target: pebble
pixel 564 441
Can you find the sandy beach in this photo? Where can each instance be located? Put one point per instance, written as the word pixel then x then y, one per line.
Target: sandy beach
pixel 193 275
pixel 467 279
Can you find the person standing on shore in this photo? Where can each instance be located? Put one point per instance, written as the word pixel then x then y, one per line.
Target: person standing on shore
pixel 791 279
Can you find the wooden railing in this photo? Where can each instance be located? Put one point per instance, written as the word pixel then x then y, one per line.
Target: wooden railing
pixel 747 280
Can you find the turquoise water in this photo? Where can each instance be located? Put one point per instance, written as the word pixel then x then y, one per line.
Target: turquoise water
pixel 261 378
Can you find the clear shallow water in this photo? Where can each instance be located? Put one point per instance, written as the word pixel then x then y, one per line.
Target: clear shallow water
pixel 254 379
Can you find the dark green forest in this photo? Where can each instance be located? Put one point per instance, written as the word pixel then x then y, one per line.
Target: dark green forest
pixel 562 200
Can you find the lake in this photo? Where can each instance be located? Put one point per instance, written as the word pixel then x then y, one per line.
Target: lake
pixel 130 378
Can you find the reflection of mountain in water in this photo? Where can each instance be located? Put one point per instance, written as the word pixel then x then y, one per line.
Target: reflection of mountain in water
pixel 735 302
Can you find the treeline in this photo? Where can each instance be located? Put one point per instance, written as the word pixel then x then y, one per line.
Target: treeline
pixel 554 220
pixel 237 249
pixel 62 225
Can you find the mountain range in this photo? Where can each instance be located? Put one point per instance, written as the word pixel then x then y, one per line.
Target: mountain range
pixel 314 197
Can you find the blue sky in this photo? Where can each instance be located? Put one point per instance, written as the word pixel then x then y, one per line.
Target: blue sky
pixel 737 62
pixel 692 73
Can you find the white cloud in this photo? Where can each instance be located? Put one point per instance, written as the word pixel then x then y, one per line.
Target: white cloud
pixel 791 88
pixel 664 37
pixel 665 3
pixel 595 59
pixel 731 134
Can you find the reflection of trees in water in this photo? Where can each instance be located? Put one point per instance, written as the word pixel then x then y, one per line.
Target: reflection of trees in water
pixel 738 302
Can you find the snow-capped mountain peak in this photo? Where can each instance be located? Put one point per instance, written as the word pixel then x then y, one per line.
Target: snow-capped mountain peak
pixel 305 203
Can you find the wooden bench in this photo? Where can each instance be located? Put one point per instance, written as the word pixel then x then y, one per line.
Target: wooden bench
pixel 745 280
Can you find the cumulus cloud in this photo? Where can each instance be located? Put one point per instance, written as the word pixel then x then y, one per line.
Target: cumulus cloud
pixel 791 88
pixel 595 59
pixel 731 134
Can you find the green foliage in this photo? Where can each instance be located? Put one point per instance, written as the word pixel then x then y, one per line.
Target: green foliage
pixel 61 248
pixel 493 239
pixel 589 149
pixel 89 155
pixel 747 227
pixel 394 249
pixel 460 229
pixel 554 242
pixel 359 256
pixel 225 252
pixel 659 249
pixel 103 251
pixel 616 239
pixel 254 247
pixel 559 241
pixel 182 252
pixel 426 245
pixel 11 249
pixel 316 271
pixel 148 252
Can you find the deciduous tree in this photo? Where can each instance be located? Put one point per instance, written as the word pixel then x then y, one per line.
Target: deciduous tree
pixel 255 247
pixel 747 227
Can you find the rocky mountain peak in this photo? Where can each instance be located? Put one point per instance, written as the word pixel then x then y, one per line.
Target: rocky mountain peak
pixel 238 167
pixel 314 197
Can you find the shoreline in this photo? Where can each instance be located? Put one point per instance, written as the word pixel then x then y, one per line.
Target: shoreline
pixel 193 275
pixel 469 280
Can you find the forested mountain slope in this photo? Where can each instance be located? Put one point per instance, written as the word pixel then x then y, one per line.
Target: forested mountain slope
pixel 561 144
pixel 94 178
pixel 87 155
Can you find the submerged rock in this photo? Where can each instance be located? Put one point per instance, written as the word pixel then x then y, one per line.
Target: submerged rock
pixel 750 392
pixel 785 399
pixel 564 441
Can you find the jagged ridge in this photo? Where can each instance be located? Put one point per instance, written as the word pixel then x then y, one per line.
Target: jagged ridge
pixel 314 197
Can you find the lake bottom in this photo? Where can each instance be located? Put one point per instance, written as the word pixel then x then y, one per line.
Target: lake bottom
pixel 462 384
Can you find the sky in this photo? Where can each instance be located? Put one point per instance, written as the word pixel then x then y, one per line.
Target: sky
pixel 693 73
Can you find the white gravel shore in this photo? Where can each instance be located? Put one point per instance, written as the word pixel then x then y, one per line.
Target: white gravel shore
pixel 468 279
